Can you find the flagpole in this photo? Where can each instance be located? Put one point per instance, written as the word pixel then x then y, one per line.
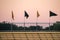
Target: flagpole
pixel 36 23
pixel 37 18
pixel 24 22
pixel 11 21
pixel 49 23
pixel 11 25
pixel 12 29
pixel 49 20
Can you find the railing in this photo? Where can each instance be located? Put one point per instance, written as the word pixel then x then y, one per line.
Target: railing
pixel 29 35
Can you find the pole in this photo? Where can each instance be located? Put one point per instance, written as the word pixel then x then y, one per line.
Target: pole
pixel 24 23
pixel 12 31
pixel 49 24
pixel 36 23
pixel 11 26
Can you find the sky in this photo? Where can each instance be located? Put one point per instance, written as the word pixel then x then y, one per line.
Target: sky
pixel 31 7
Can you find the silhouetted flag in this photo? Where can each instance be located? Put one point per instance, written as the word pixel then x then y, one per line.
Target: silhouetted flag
pixel 38 14
pixel 52 14
pixel 26 14
pixel 12 15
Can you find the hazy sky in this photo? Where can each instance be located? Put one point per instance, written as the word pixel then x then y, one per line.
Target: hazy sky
pixel 31 7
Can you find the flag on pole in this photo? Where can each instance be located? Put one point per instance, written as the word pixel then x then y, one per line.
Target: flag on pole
pixel 52 13
pixel 38 14
pixel 12 15
pixel 26 14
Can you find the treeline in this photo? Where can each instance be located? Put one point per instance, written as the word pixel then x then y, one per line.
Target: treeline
pixel 12 27
pixel 55 27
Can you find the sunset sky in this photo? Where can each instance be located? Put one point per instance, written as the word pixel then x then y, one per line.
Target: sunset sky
pixel 31 7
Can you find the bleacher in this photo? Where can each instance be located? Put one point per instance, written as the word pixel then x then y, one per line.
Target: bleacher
pixel 29 35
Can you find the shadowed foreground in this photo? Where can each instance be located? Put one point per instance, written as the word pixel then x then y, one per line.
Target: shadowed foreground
pixel 29 35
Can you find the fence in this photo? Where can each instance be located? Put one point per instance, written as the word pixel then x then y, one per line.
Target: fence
pixel 29 35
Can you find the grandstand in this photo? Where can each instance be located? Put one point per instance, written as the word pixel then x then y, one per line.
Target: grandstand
pixel 29 35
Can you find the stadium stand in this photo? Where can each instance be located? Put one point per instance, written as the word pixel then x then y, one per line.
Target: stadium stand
pixel 29 35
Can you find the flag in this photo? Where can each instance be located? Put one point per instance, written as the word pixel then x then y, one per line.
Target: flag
pixel 26 14
pixel 12 15
pixel 52 14
pixel 38 14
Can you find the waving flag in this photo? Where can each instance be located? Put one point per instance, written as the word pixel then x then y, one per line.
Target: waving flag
pixel 38 14
pixel 12 15
pixel 26 14
pixel 52 13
